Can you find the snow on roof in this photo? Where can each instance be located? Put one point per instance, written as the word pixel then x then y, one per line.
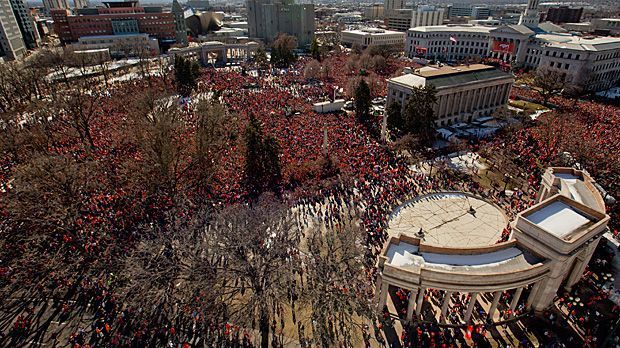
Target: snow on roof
pixel 558 218
pixel 457 29
pixel 405 254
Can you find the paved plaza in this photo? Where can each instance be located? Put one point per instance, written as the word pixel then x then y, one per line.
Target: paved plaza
pixel 455 220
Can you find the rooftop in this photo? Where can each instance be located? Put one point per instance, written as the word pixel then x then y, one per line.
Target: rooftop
pixel 464 28
pixel 449 76
pixel 509 259
pixel 598 43
pixel 373 32
pixel 447 221
pixel 559 218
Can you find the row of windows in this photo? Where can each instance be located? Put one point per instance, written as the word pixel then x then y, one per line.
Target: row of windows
pixel 449 43
pixel 559 65
pixel 614 64
pixel 561 55
pixel 464 36
pixel 608 56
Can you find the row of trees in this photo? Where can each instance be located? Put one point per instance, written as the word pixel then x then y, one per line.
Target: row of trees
pixel 116 190
pixel 416 118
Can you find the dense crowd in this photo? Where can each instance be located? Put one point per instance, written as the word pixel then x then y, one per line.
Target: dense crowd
pixel 371 178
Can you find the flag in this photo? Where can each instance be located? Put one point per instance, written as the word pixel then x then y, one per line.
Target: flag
pixel 453 39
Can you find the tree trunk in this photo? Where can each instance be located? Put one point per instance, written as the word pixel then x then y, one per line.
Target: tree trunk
pixel 264 330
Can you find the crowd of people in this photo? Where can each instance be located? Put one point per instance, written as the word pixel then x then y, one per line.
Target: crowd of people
pixel 371 179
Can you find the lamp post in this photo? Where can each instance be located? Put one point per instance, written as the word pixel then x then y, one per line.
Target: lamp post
pixel 506 178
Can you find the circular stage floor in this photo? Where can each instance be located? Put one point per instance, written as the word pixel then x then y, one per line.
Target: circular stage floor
pixel 447 221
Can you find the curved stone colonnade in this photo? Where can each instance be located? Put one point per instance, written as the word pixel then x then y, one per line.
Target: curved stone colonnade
pixel 217 52
pixel 550 245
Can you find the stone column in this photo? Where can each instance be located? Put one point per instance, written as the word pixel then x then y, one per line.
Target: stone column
pixel 580 265
pixel 411 303
pixel 532 296
pixel 445 304
pixel 483 97
pixel 470 306
pixel 449 103
pixel 383 288
pixel 515 300
pixel 476 99
pixel 443 105
pixel 496 297
pixel 418 307
pixel 461 109
pixel 498 95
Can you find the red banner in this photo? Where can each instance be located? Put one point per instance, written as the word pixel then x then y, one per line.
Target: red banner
pixel 421 50
pixel 503 47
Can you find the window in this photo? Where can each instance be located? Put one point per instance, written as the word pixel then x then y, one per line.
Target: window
pixel 566 65
pixel 551 64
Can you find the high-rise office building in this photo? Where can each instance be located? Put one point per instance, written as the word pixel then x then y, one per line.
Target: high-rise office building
pixel 80 3
pixel 11 42
pixel 180 26
pixel 391 5
pixel 268 18
pixel 530 18
pixel 564 14
pixel 426 15
pixel 26 24
pixel 52 4
pixel 480 12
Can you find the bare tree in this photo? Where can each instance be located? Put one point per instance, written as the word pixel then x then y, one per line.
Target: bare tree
pixel 337 291
pixel 548 82
pixel 169 277
pixel 312 70
pixel 44 235
pixel 157 126
pixel 258 248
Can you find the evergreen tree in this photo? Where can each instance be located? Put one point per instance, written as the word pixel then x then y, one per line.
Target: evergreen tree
pixel 186 72
pixel 263 170
pixel 254 170
pixel 315 50
pixel 271 159
pixel 395 120
pixel 261 59
pixel 362 102
pixel 419 116
pixel 282 54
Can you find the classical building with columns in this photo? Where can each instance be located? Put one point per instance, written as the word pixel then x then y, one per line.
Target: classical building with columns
pixel 589 61
pixel 451 243
pixel 464 92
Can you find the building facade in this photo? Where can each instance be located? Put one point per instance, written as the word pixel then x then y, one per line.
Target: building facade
pixel 49 5
pixel 115 19
pixel 119 46
pixel 268 18
pixel 80 3
pixel 11 43
pixel 548 250
pixel 26 23
pixel 434 42
pixel 391 5
pixel 426 15
pixel 373 37
pixel 180 27
pixel 563 14
pixel 374 11
pixel 464 93
pixel 480 12
pixel 591 62
pixel 399 19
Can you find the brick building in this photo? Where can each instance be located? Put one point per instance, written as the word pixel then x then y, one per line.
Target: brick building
pixel 564 14
pixel 116 18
